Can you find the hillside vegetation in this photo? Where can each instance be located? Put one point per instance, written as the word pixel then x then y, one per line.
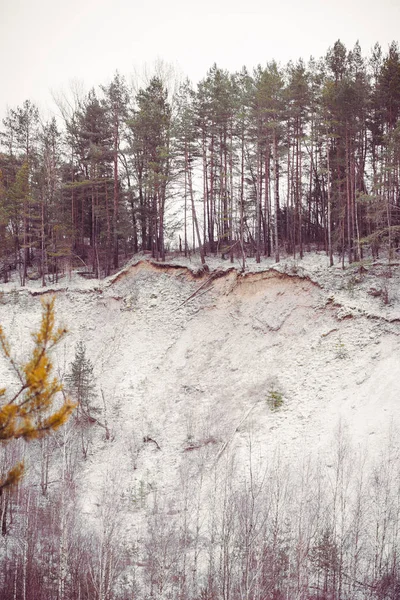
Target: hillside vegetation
pixel 236 436
pixel 278 160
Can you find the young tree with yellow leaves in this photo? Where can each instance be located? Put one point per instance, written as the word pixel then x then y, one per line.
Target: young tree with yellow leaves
pixel 29 413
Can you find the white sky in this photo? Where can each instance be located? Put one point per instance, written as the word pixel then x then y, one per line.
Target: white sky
pixel 45 44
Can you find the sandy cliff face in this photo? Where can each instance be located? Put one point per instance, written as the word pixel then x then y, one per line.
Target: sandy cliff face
pixel 253 425
pixel 192 358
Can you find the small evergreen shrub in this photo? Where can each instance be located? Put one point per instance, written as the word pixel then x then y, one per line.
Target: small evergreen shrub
pixel 340 350
pixel 274 399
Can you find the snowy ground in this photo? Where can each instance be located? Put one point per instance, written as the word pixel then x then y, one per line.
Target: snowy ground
pixel 189 360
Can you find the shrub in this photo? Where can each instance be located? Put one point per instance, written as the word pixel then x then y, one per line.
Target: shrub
pixel 274 399
pixel 340 349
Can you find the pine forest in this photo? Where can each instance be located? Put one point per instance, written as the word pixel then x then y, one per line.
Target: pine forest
pixel 282 159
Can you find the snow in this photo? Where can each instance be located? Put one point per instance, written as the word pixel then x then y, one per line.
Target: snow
pixel 190 364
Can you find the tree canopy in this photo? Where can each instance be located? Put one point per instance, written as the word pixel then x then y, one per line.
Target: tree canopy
pixel 280 159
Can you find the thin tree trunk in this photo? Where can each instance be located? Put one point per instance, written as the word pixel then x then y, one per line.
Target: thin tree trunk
pixel 194 216
pixel 258 203
pixel 330 252
pixel 116 192
pixel 276 194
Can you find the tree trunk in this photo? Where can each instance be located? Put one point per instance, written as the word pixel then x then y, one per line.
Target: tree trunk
pixel 116 192
pixel 276 194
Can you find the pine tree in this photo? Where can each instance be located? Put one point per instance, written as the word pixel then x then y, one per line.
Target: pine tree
pixel 5 238
pixel 90 137
pixel 29 413
pixel 150 149
pixel 390 86
pixel 186 152
pixel 81 384
pixel 215 108
pixel 297 115
pixel 115 103
pixel 54 239
pixel 267 115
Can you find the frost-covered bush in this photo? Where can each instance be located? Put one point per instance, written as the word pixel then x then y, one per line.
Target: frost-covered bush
pixel 274 399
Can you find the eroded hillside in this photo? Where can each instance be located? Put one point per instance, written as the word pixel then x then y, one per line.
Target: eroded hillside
pixel 189 355
pixel 201 373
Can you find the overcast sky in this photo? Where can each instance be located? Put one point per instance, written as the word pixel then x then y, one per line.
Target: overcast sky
pixel 45 44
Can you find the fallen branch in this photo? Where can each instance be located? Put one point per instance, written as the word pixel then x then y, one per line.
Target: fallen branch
pixel 147 439
pixel 329 332
pixel 212 276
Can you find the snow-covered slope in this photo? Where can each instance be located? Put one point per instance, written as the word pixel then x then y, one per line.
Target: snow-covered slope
pixel 190 358
pixel 189 363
